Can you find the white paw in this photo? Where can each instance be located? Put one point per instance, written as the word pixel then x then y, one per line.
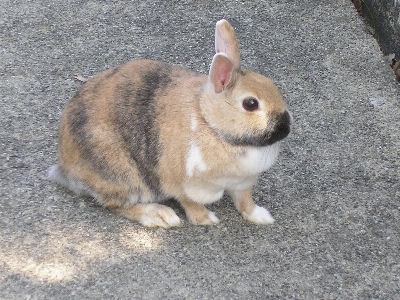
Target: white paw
pixel 207 219
pixel 259 216
pixel 159 216
pixel 213 218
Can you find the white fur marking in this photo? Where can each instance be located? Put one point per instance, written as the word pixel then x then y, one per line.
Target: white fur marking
pixel 203 193
pixel 259 216
pixel 133 198
pixel 213 218
pixel 194 160
pixel 238 183
pixel 193 123
pixel 257 160
pixel 54 174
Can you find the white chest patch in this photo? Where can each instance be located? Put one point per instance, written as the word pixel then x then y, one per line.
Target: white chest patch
pixel 193 123
pixel 194 160
pixel 257 160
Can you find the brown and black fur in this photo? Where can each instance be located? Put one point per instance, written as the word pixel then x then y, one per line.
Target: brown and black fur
pixel 147 131
pixel 126 120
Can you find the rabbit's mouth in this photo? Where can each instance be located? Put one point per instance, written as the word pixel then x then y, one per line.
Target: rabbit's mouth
pixel 280 129
pixel 276 131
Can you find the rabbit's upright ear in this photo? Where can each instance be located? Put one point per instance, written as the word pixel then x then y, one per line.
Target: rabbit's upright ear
pixel 226 42
pixel 227 57
pixel 221 71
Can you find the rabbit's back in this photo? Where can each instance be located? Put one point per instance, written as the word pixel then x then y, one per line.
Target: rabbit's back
pixel 110 130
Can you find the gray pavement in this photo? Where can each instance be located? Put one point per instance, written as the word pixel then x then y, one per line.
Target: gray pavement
pixel 334 192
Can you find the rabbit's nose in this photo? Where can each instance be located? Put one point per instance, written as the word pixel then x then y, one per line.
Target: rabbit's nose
pixel 282 125
pixel 290 116
pixel 280 128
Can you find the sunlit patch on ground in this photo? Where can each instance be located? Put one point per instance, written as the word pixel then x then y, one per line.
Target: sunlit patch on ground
pixel 63 256
pixel 140 240
pixel 48 270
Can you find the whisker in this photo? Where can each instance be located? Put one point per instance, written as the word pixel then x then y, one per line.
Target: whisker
pixel 262 159
pixel 228 103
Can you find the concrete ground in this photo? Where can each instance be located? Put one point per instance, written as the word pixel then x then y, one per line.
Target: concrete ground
pixel 334 191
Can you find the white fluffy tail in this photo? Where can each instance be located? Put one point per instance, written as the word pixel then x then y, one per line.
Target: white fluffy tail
pixel 54 173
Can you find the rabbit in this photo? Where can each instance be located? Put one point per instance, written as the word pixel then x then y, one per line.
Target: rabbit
pixel 146 131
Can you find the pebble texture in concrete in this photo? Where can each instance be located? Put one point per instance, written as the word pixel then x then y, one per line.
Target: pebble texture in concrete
pixel 334 191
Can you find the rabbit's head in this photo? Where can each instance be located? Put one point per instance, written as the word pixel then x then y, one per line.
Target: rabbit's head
pixel 244 108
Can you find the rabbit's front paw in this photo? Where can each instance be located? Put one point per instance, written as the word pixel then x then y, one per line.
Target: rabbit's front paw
pixel 259 216
pixel 204 218
pixel 197 213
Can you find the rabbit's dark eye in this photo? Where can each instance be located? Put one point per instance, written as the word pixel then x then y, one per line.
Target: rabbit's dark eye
pixel 250 104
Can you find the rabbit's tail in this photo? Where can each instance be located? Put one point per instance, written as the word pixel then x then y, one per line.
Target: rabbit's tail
pixel 55 173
